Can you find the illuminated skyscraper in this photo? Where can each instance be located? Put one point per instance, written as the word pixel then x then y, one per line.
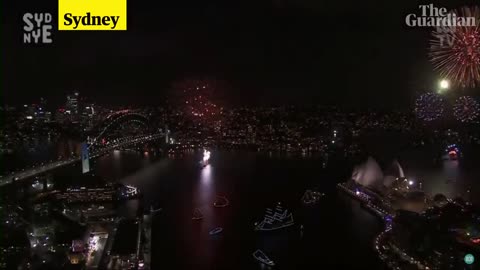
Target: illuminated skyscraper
pixel 72 107
pixel 72 103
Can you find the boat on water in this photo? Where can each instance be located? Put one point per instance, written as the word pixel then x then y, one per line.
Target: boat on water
pixel 155 209
pixel 205 158
pixel 221 201
pixel 311 197
pixel 275 219
pixel 216 231
pixel 262 257
pixel 452 152
pixel 197 214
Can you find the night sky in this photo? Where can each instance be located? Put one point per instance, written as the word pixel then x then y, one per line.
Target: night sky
pixel 350 53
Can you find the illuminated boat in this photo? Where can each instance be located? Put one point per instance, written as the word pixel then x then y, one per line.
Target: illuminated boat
pixel 221 201
pixel 453 151
pixel 275 219
pixel 475 240
pixel 311 197
pixel 205 158
pixel 155 209
pixel 197 214
pixel 216 231
pixel 261 257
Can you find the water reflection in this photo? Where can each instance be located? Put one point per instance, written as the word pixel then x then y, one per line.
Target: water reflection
pixel 37 151
pixel 203 195
pixel 337 227
pixel 206 174
pixel 453 178
pixel 130 208
pixel 204 191
pixel 451 170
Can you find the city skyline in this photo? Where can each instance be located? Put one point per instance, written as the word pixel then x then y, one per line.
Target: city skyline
pixel 249 135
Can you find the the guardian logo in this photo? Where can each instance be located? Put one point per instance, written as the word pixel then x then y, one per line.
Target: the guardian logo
pixel 438 17
pixel 37 27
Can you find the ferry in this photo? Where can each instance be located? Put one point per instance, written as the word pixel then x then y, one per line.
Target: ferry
pixel 221 201
pixel 311 197
pixel 216 231
pixel 275 219
pixel 261 257
pixel 197 214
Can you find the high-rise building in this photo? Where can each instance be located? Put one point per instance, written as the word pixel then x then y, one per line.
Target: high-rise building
pixel 72 107
pixel 87 114
pixel 43 104
pixel 41 113
pixel 72 103
pixel 60 115
pixel 28 112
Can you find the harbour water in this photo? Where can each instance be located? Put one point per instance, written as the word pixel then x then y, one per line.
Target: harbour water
pixel 337 232
pixel 333 230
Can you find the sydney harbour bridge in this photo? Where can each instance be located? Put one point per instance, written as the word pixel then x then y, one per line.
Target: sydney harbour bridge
pixel 119 130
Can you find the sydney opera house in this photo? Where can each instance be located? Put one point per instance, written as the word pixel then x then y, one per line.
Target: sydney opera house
pixel 369 174
pixel 437 231
pixel 390 186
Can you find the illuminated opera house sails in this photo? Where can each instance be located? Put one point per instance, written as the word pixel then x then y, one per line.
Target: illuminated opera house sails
pixel 370 174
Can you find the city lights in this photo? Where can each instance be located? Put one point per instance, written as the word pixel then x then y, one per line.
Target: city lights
pixel 184 142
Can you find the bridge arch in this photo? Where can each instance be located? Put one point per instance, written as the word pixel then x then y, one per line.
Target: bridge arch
pixel 116 121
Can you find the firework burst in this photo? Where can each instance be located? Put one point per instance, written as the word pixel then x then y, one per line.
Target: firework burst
pixel 429 107
pixel 196 97
pixel 466 109
pixel 455 50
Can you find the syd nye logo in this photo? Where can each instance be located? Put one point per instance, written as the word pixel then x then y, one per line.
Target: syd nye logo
pixel 37 28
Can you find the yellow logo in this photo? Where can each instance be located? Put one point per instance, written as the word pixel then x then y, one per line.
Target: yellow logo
pixel 92 14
